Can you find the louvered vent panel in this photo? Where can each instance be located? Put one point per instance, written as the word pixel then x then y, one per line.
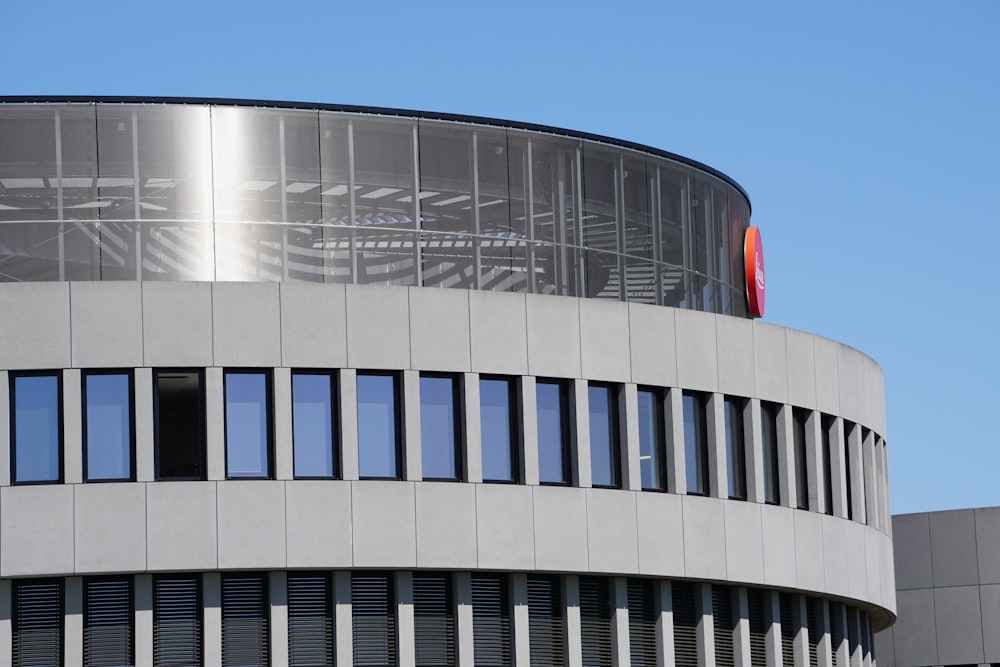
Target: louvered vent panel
pixel 871 637
pixel 787 630
pixel 374 612
pixel 107 623
pixel 490 621
pixel 814 610
pixel 310 620
pixel 685 625
pixel 38 623
pixel 545 622
pixel 642 623
pixel 723 625
pixel 433 620
pixel 245 631
pixel 836 628
pixel 757 612
pixel 595 622
pixel 177 621
pixel 853 640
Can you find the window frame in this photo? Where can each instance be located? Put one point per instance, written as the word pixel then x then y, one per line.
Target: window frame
pixel 399 433
pixel 130 374
pixel 565 424
pixel 335 422
pixel 614 432
pixel 202 426
pixel 800 447
pixel 701 444
pixel 738 405
pixel 659 443
pixel 269 416
pixel 515 428
pixel 60 421
pixel 458 439
pixel 767 407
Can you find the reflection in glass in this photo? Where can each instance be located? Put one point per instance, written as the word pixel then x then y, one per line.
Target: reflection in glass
pixel 605 447
pixel 696 443
pixel 498 421
pixel 248 424
pixel 179 416
pixel 800 419
pixel 37 447
pixel 769 441
pixel 735 448
pixel 378 426
pixel 651 440
pixel 553 432
pixel 313 433
pixel 439 427
pixel 107 419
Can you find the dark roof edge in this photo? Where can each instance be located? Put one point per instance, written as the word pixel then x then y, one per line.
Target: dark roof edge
pixel 350 108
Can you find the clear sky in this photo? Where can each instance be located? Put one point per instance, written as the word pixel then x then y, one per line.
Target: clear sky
pixel 867 135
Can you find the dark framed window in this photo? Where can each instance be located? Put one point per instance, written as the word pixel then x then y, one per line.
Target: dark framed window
pixel 800 420
pixel 440 427
pixel 499 429
pixel 311 621
pixel 769 441
pixel 553 431
pixel 245 620
pixel 38 625
pixel 179 423
pixel 547 644
pixel 848 433
pixel 433 620
pixel 108 426
pixel 249 421
pixel 491 612
pixel 827 424
pixel 863 482
pixel 177 620
pixel 696 442
pixel 108 622
pixel 736 456
pixel 314 425
pixel 379 426
pixel 36 427
pixel 652 440
pixel 605 436
pixel 373 606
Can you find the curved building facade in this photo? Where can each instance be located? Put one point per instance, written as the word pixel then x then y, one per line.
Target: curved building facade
pixel 242 423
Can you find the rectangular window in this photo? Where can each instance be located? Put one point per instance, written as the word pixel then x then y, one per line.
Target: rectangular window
pixel 491 639
pixel 36 427
pixel 108 431
pixel 179 416
pixel 736 456
pixel 245 620
pixel 642 622
pixel 800 419
pixel 828 423
pixel 38 622
pixel 177 620
pixel 696 443
pixel 553 431
pixel 595 622
pixel 314 419
pixel 379 437
pixel 605 440
pixel 769 442
pixel 311 634
pixel 440 427
pixel 651 440
pixel 546 643
pixel 373 606
pixel 433 620
pixel 249 435
pixel 499 429
pixel 863 483
pixel 108 627
pixel 848 431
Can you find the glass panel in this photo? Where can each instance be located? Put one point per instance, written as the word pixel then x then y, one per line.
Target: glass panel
pixel 378 426
pixel 439 427
pixel 651 440
pixel 37 428
pixel 312 425
pixel 303 236
pixel 28 169
pixel 827 424
pixel 800 418
pixel 602 204
pixel 248 425
pixel 640 274
pixel 499 244
pixel 769 440
pixel 335 196
pixel 695 443
pixel 604 440
pixel 180 425
pixel 735 449
pixel 739 220
pixel 672 191
pixel 553 422
pixel 108 425
pixel 498 429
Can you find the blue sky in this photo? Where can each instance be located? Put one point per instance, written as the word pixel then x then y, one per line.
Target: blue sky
pixel 867 135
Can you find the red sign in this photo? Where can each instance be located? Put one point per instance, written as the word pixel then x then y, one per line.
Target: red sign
pixel 753 259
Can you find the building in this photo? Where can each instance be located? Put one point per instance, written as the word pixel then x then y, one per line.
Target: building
pixel 248 426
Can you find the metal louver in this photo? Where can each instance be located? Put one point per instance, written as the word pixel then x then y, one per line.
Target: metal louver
pixel 642 623
pixel 245 621
pixel 545 622
pixel 836 628
pixel 813 611
pixel 374 620
pixel 310 620
pixel 685 625
pixel 177 621
pixel 107 623
pixel 723 625
pixel 787 630
pixel 490 621
pixel 757 612
pixel 595 622
pixel 38 622
pixel 433 620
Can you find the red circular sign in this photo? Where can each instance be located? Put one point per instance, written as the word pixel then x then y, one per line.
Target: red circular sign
pixel 753 260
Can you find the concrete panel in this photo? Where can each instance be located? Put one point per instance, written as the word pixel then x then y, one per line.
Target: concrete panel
pixel 953 548
pixel 827 379
pixel 988 544
pixel 652 345
pixel 106 320
pixel 857 560
pixel 177 324
pixel 734 342
pixel 835 564
pixel 883 648
pixel 912 540
pixel 439 329
pixel 873 565
pixel 612 531
pixel 313 325
pixel 989 603
pixel 914 634
pixel 181 526
pixel 318 524
pixel 72 414
pixel 110 527
pixel 744 542
pixel 809 551
pixel 604 340
pixel 384 524
pixel 848 374
pixel 505 527
pixel 251 524
pixel 697 352
pixel 778 528
pixel 704 538
pixel 801 358
pixel 770 360
pixel 553 336
pixel 560 518
pixel 246 324
pixel 958 620
pixel 35 327
pixel 378 327
pixel 446 525
pixel 661 534
pixel 498 332
pixel 36 523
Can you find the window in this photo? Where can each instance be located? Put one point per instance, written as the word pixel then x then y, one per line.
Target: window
pixel 36 427
pixel 642 623
pixel 848 433
pixel 310 620
pixel 177 620
pixel 800 419
pixel 499 429
pixel 314 415
pixel 652 461
pixel 373 606
pixel 108 432
pixel 440 427
pixel 696 443
pixel 863 482
pixel 769 441
pixel 433 620
pixel 491 639
pixel 379 436
pixel 595 622
pixel 545 621
pixel 828 423
pixel 245 616
pixel 38 622
pixel 605 441
pixel 249 436
pixel 553 432
pixel 736 457
pixel 108 622
pixel 179 416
